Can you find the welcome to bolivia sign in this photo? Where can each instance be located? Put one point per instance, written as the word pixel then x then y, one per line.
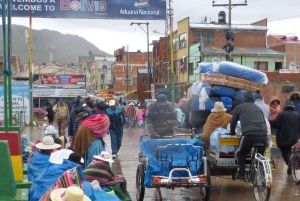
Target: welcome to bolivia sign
pixel 91 9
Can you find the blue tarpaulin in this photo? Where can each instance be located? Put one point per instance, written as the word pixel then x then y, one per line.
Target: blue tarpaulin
pixel 179 154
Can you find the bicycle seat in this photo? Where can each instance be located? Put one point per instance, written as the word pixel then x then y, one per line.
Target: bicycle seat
pixel 258 145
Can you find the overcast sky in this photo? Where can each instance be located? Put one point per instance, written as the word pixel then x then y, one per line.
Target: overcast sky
pixel 109 35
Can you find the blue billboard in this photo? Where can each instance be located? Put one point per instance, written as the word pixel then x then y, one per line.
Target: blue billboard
pixel 91 9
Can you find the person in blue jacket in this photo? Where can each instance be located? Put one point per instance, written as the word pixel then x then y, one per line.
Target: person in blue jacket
pixel 117 120
pixel 77 107
pixel 295 98
pixel 46 180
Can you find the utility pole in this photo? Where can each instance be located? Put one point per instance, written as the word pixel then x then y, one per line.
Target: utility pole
pixel 148 59
pixel 171 63
pixel 127 60
pixel 30 66
pixel 229 35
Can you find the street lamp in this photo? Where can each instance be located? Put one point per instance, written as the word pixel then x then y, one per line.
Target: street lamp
pixel 148 60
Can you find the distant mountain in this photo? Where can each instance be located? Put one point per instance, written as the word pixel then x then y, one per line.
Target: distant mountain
pixel 66 47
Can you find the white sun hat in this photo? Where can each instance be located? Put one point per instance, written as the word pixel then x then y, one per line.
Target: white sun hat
pixel 71 193
pixel 50 130
pixel 47 143
pixel 104 156
pixel 59 156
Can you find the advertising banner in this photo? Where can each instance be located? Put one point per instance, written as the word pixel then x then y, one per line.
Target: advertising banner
pixel 20 100
pixel 58 92
pixel 63 79
pixel 91 9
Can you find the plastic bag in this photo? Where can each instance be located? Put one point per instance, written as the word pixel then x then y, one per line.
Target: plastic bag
pixel 203 98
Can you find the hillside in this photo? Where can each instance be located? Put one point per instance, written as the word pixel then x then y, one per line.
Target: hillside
pixel 66 46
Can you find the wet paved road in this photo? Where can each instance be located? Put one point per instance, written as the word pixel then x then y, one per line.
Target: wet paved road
pixel 223 188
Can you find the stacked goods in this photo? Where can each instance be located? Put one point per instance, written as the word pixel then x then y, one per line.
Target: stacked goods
pixel 226 82
pixel 232 75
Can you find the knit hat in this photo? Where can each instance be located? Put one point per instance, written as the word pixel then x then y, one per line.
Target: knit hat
pixel 50 130
pixel 258 95
pixel 219 107
pixel 98 124
pixel 289 104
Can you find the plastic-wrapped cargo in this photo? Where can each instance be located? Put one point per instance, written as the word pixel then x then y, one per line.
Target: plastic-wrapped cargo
pixel 207 67
pixel 243 72
pixel 222 91
pixel 214 141
pixel 239 93
pixel 209 105
pixel 227 103
pixel 197 86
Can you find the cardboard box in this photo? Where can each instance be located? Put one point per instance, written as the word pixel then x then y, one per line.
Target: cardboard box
pixel 235 82
pixel 242 84
pixel 217 79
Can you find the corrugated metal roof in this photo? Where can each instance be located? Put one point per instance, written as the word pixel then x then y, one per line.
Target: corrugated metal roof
pixel 246 27
pixel 243 51
pixel 287 39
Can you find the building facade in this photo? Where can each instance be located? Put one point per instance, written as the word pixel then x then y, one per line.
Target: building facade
pixel 289 45
pixel 125 71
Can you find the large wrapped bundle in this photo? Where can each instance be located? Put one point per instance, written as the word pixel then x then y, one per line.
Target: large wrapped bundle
pixel 198 86
pixel 239 93
pixel 214 141
pixel 209 105
pixel 206 67
pixel 222 91
pixel 239 71
pixel 227 103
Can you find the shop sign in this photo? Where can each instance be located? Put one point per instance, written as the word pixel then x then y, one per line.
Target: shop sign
pixel 58 92
pixel 20 100
pixel 63 79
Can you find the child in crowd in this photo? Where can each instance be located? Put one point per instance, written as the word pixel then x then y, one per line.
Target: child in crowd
pixel 139 118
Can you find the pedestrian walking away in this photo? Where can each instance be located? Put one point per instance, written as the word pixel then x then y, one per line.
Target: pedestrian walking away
pixel 77 107
pixel 61 115
pixel 130 113
pixel 117 120
pixel 50 113
pixel 287 122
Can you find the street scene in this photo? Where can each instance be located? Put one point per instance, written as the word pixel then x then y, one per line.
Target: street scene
pixel 155 100
pixel 223 188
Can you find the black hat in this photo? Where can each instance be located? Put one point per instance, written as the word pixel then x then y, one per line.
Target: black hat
pixel 76 158
pixel 161 99
pixel 289 104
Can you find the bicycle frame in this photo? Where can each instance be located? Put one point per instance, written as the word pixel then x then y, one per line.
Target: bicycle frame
pixel 266 167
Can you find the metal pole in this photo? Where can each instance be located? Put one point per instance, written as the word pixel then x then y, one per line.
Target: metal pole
pixel 229 55
pixel 148 61
pixel 172 64
pixel 6 118
pixel 9 58
pixel 30 66
pixel 127 68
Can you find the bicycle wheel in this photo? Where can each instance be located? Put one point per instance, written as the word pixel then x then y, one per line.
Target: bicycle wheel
pixel 261 192
pixel 139 182
pixel 205 191
pixel 295 168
